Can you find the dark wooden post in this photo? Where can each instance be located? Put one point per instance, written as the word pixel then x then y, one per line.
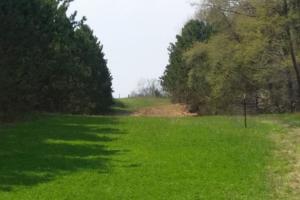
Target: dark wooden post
pixel 245 111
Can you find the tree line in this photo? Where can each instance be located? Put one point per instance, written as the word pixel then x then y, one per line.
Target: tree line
pixel 49 61
pixel 235 49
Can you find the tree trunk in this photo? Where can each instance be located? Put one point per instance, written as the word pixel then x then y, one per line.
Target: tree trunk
pixel 291 46
pixel 294 58
pixel 291 95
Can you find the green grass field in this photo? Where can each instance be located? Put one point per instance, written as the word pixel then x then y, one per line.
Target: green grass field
pixel 129 105
pixel 136 158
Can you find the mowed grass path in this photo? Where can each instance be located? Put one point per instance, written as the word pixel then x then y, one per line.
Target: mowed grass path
pixel 130 158
pixel 130 105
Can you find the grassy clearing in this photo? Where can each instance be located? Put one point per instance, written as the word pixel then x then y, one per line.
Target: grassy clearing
pixel 111 158
pixel 285 167
pixel 129 105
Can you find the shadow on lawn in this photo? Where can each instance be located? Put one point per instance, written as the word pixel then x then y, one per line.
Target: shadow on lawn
pixel 120 109
pixel 38 152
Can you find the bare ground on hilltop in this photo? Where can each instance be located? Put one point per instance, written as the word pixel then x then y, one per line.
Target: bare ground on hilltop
pixel 172 110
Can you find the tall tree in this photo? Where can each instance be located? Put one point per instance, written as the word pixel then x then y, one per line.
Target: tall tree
pixel 175 77
pixel 253 50
pixel 49 61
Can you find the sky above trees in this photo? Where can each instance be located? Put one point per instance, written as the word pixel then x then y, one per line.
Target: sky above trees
pixel 135 35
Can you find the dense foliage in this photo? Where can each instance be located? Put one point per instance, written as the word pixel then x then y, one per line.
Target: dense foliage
pixel 49 61
pixel 175 79
pixel 253 50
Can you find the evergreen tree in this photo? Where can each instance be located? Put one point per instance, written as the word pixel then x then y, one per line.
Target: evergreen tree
pixel 49 61
pixel 176 74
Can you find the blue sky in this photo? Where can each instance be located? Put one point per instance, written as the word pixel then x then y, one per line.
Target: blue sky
pixel 135 35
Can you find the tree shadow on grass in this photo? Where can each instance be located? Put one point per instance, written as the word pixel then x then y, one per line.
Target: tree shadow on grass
pixel 120 109
pixel 38 152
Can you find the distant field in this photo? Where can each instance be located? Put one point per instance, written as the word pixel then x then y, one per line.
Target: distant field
pixel 133 104
pixel 128 158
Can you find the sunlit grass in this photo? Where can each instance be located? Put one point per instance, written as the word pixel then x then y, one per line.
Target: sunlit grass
pixel 78 158
pixel 127 105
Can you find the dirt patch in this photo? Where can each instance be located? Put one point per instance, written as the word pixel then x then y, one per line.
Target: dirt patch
pixel 294 151
pixel 286 176
pixel 174 110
